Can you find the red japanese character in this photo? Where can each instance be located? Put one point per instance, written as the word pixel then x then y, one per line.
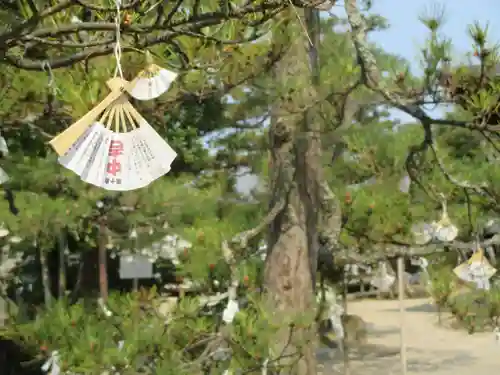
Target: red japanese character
pixel 115 148
pixel 114 167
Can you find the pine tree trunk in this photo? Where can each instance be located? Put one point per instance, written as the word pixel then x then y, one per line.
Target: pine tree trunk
pixel 47 294
pixel 102 259
pixel 293 241
pixel 62 246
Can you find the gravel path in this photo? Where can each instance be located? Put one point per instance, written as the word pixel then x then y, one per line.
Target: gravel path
pixel 431 349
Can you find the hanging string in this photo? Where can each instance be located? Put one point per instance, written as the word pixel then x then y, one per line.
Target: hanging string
pixel 52 82
pixel 302 24
pixel 118 47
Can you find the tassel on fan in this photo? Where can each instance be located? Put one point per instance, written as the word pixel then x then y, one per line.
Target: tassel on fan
pixel 119 150
pixel 152 81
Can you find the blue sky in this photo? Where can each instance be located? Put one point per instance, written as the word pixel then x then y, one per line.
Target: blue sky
pixel 406 33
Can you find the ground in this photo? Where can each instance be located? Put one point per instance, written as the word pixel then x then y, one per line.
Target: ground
pixel 431 349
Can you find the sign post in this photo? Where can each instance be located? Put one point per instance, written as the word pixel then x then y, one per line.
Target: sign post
pixel 135 267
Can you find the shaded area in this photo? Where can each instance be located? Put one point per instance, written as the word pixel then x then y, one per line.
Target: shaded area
pixel 424 307
pixel 379 359
pixel 12 358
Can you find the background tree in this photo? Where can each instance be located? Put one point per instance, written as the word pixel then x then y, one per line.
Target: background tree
pixel 228 89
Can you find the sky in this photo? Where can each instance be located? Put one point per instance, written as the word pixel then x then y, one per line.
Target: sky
pixel 406 34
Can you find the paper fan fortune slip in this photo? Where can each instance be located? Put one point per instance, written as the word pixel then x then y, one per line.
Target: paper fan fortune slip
pixel 113 146
pixel 152 82
pixel 477 270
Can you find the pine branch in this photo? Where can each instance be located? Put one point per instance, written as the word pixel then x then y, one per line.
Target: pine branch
pixel 98 8
pixel 479 189
pixel 168 31
pixel 31 23
pixel 230 260
pixel 372 77
pixel 388 250
pixel 331 220
pixel 166 26
pixel 243 238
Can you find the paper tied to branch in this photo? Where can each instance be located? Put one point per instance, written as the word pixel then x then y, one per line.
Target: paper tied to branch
pixel 446 233
pixel 383 281
pixel 424 264
pixel 52 364
pixel 336 320
pixel 230 311
pixel 423 233
pixel 476 270
pixel 104 308
pixel 264 366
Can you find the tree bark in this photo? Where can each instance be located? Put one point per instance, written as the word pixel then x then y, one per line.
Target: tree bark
pixel 103 263
pixel 62 247
pixel 47 294
pixel 293 241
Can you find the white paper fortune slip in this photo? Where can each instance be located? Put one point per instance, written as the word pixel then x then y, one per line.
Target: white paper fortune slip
pixel 477 269
pixel 4 151
pixel 152 82
pixel 383 280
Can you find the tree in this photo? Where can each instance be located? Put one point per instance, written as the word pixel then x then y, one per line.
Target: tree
pixel 42 34
pixel 339 104
pixel 288 279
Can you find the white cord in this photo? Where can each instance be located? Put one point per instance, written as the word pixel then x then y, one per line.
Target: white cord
pixel 52 83
pixel 118 47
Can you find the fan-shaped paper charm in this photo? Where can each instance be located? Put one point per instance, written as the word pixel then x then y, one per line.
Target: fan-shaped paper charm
pixel 423 233
pixel 120 151
pixel 152 82
pixel 383 280
pixel 446 233
pixel 476 270
pixel 65 140
pixel 445 230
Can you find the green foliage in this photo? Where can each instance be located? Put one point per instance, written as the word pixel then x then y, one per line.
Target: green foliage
pixel 470 308
pixel 184 341
pixel 223 99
